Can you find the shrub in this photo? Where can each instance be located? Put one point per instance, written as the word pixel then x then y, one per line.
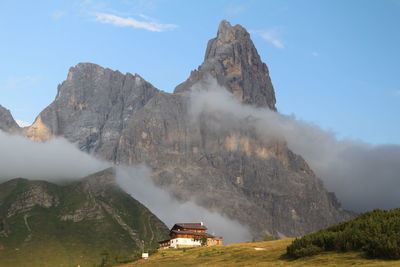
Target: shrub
pixel 306 251
pixel 377 233
pixel 268 237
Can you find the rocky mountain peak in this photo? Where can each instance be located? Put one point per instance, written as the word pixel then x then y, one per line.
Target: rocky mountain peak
pixel 234 62
pixel 93 103
pixel 228 34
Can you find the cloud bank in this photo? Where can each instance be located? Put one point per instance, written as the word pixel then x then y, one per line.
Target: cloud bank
pixel 22 123
pixel 137 182
pixel 363 176
pixel 54 161
pixel 134 23
pixel 60 161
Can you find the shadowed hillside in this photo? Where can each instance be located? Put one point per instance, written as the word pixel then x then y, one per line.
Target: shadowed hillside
pixel 85 222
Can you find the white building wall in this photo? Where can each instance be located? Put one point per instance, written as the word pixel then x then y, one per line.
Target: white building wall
pixel 187 242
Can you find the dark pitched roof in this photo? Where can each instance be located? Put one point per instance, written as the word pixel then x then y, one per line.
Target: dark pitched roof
pixel 197 226
pixel 192 233
pixel 164 241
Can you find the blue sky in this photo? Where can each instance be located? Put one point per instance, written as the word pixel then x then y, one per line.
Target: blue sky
pixel 332 63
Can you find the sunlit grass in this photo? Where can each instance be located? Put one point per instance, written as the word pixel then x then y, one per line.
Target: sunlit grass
pixel 245 254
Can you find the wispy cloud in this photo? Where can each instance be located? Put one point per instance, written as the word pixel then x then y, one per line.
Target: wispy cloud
pixel 149 25
pixel 22 123
pixel 271 36
pixel 315 54
pixel 57 14
pixel 396 92
pixel 20 82
pixel 235 10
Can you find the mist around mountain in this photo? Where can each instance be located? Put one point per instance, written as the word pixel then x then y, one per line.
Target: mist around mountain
pixel 218 143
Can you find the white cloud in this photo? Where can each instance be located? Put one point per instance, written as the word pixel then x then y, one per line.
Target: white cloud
pixel 315 54
pixel 22 123
pixel 397 92
pixel 271 36
pixel 19 82
pixel 131 22
pixel 138 183
pixel 363 176
pixel 54 160
pixel 57 14
pixel 235 10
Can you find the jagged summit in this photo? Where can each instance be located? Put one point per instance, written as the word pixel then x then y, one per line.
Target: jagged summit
pixel 95 102
pixel 228 33
pixel 93 67
pixel 233 60
pixel 92 70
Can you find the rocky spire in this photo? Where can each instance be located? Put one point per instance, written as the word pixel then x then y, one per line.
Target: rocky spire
pixel 234 61
pixel 7 122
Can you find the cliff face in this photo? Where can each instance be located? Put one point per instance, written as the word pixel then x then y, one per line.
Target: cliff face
pixel 124 119
pixel 74 224
pixel 7 122
pixel 92 107
pixel 261 184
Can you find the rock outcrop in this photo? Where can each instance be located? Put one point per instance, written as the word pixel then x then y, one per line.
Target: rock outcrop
pixel 7 122
pixel 124 119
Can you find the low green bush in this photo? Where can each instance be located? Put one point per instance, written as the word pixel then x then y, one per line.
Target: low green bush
pixel 377 233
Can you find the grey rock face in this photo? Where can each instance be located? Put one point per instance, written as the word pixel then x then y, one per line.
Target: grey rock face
pixel 92 107
pixel 233 60
pixel 262 185
pixel 7 122
pixel 124 119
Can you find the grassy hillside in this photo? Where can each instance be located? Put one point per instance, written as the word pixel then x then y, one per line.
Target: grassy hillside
pixel 270 253
pixel 85 222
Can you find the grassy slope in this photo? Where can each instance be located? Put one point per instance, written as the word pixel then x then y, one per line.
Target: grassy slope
pixel 52 242
pixel 244 254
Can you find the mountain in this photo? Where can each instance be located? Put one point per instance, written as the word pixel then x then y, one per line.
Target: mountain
pixel 7 122
pixel 123 119
pixel 233 60
pixel 46 224
pixel 91 108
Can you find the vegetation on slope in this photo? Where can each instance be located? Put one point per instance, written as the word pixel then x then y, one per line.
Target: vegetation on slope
pixel 33 231
pixel 271 253
pixel 377 233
